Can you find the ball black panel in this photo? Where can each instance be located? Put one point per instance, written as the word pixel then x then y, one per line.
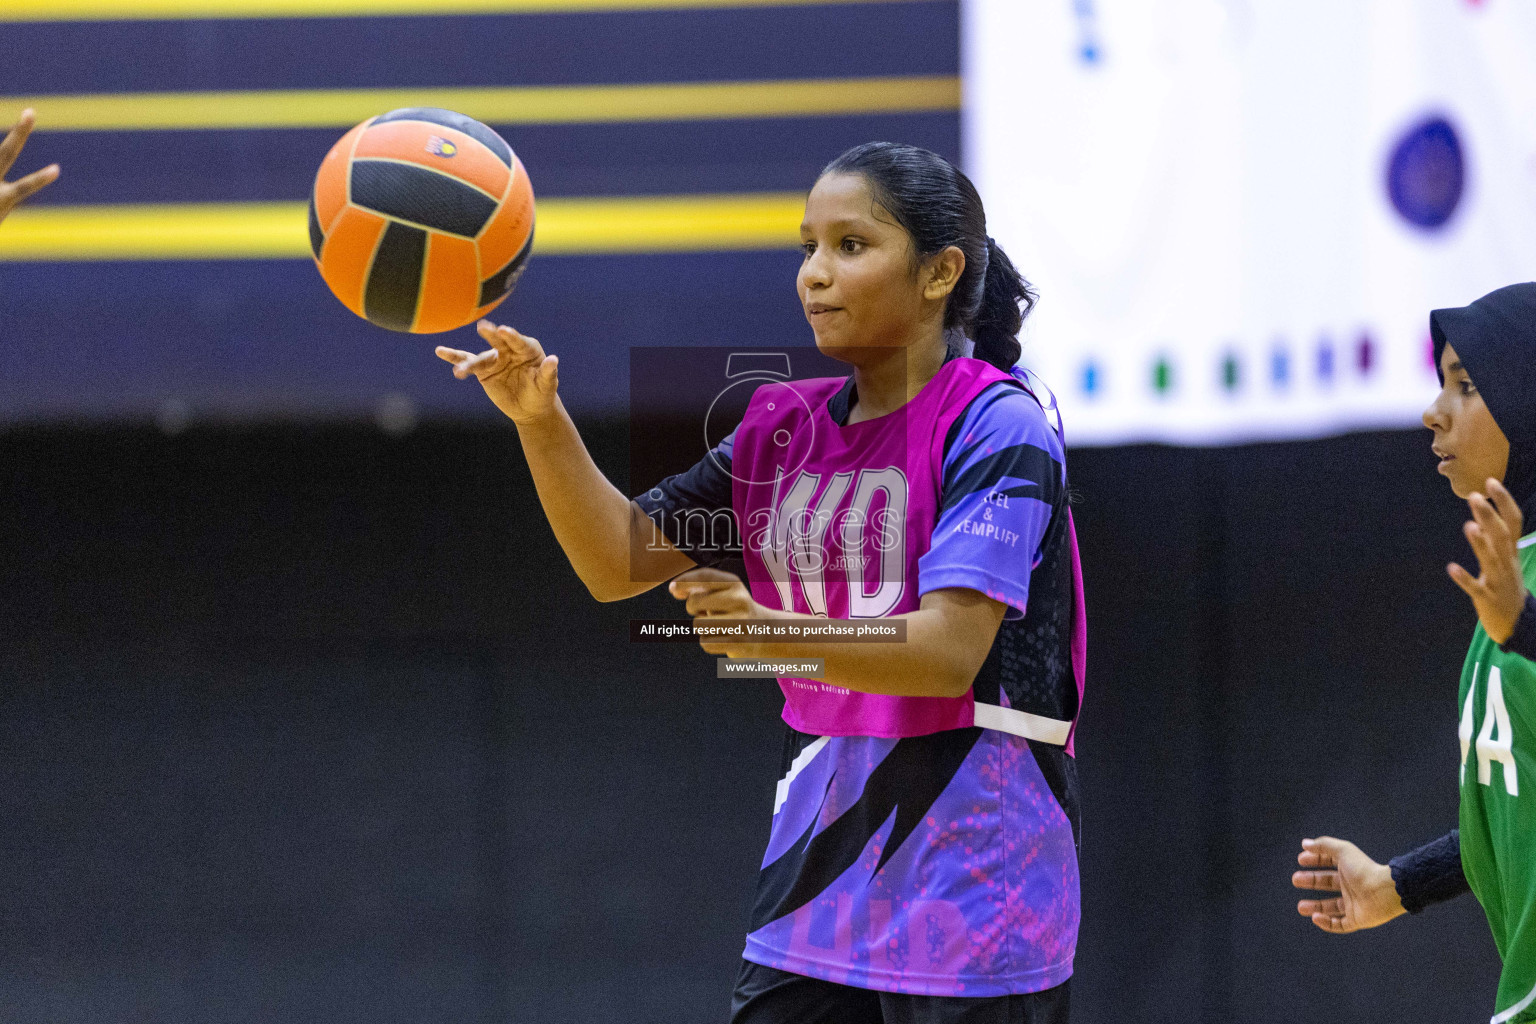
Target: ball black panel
pixel 501 282
pixel 395 280
pixel 422 196
pixel 316 236
pixel 458 122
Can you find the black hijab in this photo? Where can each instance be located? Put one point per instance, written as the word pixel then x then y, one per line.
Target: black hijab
pixel 1495 338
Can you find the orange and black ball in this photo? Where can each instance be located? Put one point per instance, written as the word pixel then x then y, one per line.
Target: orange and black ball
pixel 421 220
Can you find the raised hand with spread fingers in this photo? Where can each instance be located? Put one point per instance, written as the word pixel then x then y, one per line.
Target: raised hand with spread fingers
pixel 13 192
pixel 516 374
pixel 1498 590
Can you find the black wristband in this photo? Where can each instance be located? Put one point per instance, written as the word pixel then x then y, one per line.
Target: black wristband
pixel 1431 874
pixel 1523 640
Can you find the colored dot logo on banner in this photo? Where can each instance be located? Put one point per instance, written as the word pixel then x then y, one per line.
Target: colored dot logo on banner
pixel 1091 378
pixel 1089 51
pixel 1231 372
pixel 1365 354
pixel 1162 376
pixel 1325 361
pixel 1426 174
pixel 1279 366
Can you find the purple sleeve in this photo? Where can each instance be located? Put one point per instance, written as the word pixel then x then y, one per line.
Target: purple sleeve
pixel 1004 475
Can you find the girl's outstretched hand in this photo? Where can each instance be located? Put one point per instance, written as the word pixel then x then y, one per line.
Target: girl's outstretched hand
pixel 514 371
pixel 1498 593
pixel 1367 895
pixel 12 193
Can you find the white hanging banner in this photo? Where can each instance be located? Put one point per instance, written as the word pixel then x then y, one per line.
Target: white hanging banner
pixel 1239 213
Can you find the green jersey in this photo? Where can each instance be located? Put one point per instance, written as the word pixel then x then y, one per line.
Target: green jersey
pixel 1498 804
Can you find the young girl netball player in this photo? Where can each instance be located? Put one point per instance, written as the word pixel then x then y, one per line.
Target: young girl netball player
pixel 12 193
pixel 1484 422
pixel 922 860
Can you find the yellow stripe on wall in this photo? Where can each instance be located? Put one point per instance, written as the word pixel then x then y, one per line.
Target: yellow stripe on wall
pixel 145 10
pixel 234 231
pixel 343 108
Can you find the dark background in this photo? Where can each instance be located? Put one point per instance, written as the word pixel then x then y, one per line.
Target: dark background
pixel 311 724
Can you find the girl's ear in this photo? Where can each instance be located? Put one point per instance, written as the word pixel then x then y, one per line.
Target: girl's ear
pixel 943 270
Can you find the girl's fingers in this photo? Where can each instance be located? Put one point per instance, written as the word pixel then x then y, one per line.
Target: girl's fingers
pixel 1329 924
pixel 712 602
pixel 519 347
pixel 1509 509
pixel 720 602
pixel 10 148
pixel 683 589
pixel 1478 539
pixel 1466 581
pixel 489 333
pixel 1482 547
pixel 524 349
pixel 477 364
pixel 1328 881
pixel 34 182
pixel 1488 517
pixel 11 195
pixel 1325 848
pixel 451 355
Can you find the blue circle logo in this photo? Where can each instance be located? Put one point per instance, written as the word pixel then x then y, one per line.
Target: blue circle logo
pixel 1427 174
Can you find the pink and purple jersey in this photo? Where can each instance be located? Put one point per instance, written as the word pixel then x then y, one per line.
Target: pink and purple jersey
pixel 910 850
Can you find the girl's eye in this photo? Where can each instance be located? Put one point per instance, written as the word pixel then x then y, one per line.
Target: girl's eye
pixel 807 247
pixel 1467 388
pixel 852 245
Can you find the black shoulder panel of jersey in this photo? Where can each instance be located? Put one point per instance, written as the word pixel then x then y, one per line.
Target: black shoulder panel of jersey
pixel 695 513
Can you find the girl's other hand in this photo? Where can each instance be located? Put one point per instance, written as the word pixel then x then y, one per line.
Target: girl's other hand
pixel 1367 895
pixel 12 193
pixel 1498 593
pixel 514 372
pixel 714 594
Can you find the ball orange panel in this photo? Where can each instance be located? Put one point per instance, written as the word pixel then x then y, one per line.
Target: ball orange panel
pixel 503 237
pixel 348 254
pixel 436 146
pixel 331 182
pixel 450 284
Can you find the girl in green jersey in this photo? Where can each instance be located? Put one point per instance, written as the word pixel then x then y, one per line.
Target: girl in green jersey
pixel 1484 422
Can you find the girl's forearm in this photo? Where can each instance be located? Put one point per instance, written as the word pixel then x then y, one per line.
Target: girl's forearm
pixel 927 664
pixel 590 516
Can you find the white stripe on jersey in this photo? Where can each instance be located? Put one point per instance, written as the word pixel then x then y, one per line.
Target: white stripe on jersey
pixel 801 762
pixel 1525 542
pixel 1513 1010
pixel 1022 723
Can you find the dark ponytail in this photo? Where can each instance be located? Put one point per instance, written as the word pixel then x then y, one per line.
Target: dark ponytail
pixel 938 207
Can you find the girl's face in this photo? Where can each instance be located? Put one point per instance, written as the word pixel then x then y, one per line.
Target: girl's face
pixel 1470 444
pixel 857 283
